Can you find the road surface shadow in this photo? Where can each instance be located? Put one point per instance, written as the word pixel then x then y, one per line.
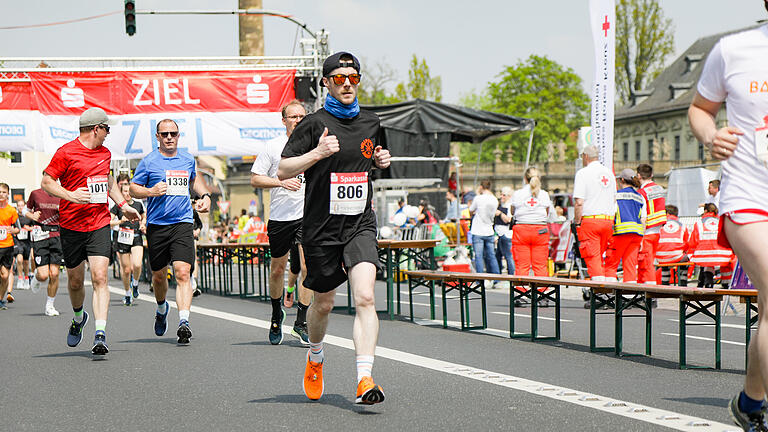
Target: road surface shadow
pixel 710 401
pixel 334 400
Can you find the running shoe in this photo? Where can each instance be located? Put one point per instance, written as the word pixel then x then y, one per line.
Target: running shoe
pixel 300 332
pixel 3 305
pixel 50 310
pixel 195 290
pixel 100 344
pixel 313 384
pixel 75 334
pixel 20 283
pixel 135 286
pixel 276 329
pixel 368 393
pixel 35 285
pixel 184 333
pixel 289 297
pixel 127 300
pixel 753 422
pixel 23 284
pixel 9 298
pixel 161 321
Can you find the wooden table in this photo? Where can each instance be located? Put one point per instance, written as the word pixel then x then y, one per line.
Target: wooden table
pixel 422 252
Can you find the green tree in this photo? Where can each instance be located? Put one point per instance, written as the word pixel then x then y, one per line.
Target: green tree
pixel 644 40
pixel 540 89
pixel 421 84
pixel 373 85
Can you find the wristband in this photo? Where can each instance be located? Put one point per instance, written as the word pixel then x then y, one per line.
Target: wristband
pixel 122 204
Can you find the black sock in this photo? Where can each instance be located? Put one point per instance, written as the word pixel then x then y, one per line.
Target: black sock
pixel 301 313
pixel 277 311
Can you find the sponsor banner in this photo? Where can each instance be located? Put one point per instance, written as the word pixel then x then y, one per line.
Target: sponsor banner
pixel 15 96
pixel 18 130
pixel 144 92
pixel 603 22
pixel 133 137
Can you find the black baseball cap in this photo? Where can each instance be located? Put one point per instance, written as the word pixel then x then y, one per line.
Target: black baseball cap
pixel 334 61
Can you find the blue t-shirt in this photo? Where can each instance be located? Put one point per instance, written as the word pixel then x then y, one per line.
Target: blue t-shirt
pixel 179 172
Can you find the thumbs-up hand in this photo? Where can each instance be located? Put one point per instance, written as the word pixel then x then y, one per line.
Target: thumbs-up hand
pixel 327 145
pixel 381 157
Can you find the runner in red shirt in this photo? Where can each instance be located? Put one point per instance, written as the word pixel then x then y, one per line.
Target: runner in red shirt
pixel 43 209
pixel 82 169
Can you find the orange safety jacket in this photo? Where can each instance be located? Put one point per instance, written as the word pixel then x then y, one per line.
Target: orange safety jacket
pixel 672 241
pixel 655 203
pixel 703 243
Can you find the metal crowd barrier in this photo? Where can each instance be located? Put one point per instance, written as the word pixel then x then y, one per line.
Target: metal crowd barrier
pixel 236 269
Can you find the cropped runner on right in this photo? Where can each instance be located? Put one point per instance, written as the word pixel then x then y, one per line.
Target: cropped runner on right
pixel 732 74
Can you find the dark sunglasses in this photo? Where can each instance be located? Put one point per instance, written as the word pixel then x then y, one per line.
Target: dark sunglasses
pixel 105 127
pixel 173 134
pixel 339 79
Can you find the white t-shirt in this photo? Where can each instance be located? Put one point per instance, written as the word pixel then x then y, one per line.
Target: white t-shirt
pixel 596 185
pixel 530 210
pixel 713 199
pixel 484 206
pixel 736 72
pixel 284 205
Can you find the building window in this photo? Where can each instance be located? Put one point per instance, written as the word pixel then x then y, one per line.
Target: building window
pixel 650 149
pixel 701 151
pixel 15 157
pixel 637 150
pixel 626 151
pixel 677 147
pixel 17 194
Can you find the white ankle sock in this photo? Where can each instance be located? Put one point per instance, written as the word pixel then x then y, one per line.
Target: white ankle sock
pixel 183 315
pixel 162 308
pixel 316 352
pixel 364 366
pixel 49 301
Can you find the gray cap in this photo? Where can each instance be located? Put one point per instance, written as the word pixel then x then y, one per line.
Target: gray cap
pixel 626 174
pixel 590 151
pixel 95 116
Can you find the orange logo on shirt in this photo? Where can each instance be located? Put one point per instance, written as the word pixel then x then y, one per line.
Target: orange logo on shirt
pixel 366 148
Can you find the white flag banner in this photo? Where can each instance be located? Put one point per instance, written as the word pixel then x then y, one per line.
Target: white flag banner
pixel 603 21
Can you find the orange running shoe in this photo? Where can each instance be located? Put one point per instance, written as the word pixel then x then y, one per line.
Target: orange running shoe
pixel 10 298
pixel 368 393
pixel 313 379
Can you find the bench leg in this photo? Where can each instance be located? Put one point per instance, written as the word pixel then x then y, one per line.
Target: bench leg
pixel 445 309
pixel 557 312
pixel 482 302
pixel 512 311
pixel 648 323
pixel 681 331
pixel 717 335
pixel 592 323
pixel 410 296
pixel 534 311
pixel 618 326
pixel 432 300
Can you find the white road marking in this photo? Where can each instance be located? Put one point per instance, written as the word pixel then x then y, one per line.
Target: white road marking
pixel 518 314
pixel 706 339
pixel 709 324
pixel 601 403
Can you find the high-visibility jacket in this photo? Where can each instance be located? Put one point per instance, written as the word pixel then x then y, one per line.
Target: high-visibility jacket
pixel 655 202
pixel 673 240
pixel 703 243
pixel 629 212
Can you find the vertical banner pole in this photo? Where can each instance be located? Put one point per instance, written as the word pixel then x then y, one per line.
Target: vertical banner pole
pixel 603 22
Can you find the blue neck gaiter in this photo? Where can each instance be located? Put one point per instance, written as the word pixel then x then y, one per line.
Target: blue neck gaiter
pixel 339 110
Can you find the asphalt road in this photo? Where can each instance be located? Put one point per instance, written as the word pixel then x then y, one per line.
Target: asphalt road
pixel 230 378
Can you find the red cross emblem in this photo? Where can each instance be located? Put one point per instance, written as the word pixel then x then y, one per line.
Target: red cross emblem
pixel 604 180
pixel 532 202
pixel 606 26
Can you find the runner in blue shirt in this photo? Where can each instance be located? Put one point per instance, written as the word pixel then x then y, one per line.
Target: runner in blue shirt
pixel 164 177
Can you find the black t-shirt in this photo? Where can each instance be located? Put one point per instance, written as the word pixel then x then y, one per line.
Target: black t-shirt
pixel 497 219
pixel 21 221
pixel 132 225
pixel 358 137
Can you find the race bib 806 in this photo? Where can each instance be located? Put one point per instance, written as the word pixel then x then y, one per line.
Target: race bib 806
pixel 349 193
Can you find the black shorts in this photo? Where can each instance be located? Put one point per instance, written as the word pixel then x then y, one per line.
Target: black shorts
pixel 295 259
pixel 326 264
pixel 48 251
pixel 283 235
pixel 79 245
pixel 23 248
pixel 138 240
pixel 6 257
pixel 169 243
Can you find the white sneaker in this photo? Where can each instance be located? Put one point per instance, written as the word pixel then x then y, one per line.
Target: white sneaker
pixel 50 310
pixel 21 284
pixel 34 285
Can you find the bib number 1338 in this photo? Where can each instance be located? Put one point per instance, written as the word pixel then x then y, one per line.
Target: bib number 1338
pixel 349 193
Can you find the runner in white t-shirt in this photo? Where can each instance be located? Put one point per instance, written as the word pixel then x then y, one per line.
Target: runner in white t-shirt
pixel 286 210
pixel 736 72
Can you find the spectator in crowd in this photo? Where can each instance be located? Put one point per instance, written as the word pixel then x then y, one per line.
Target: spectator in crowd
pixel 426 213
pixel 452 214
pixel 706 252
pixel 713 193
pixel 400 221
pixel 467 196
pixel 501 225
pixel 628 228
pixel 483 208
pixel 243 219
pixel 530 236
pixel 452 183
pixel 656 217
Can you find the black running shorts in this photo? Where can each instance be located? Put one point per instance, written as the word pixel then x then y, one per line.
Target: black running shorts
pixel 169 243
pixel 6 257
pixel 138 240
pixel 48 251
pixel 326 264
pixel 282 236
pixel 23 248
pixel 79 245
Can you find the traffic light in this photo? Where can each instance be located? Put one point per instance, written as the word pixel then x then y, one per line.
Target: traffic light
pixel 130 17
